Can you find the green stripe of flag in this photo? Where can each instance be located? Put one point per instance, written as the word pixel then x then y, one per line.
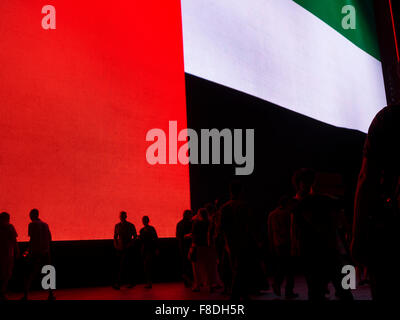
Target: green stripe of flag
pixel 330 11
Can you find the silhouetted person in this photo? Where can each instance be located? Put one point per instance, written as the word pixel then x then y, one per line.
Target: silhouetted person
pixel 376 242
pixel 149 248
pixel 199 252
pixel 235 227
pixel 183 235
pixel 8 252
pixel 223 259
pixel 314 227
pixel 280 242
pixel 214 222
pixel 124 237
pixel 38 254
pixel 259 254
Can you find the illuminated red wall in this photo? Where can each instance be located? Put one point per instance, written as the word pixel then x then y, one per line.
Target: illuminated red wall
pixel 75 106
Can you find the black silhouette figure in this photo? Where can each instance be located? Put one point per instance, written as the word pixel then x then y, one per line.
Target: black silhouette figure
pixel 8 252
pixel 203 257
pixel 149 249
pixel 314 233
pixel 183 235
pixel 124 238
pixel 223 260
pixel 236 229
pixel 214 218
pixel 376 224
pixel 38 254
pixel 279 222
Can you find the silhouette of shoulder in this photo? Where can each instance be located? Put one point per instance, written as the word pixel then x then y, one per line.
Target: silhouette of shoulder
pixel 381 145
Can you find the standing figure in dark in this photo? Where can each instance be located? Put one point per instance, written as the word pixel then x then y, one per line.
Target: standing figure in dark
pixel 199 249
pixel 38 254
pixel 314 230
pixel 223 259
pixel 235 227
pixel 214 221
pixel 280 244
pixel 124 241
pixel 149 249
pixel 8 252
pixel 183 235
pixel 376 242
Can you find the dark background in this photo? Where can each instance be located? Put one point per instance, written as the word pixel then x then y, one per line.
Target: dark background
pixel 284 142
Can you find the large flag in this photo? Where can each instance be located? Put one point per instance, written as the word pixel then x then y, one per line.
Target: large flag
pixel 77 102
pixel 318 58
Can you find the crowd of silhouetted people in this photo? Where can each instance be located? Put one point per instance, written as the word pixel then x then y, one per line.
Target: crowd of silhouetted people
pixel 218 247
pixel 125 240
pixel 37 255
pixel 307 234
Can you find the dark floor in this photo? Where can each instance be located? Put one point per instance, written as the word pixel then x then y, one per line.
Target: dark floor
pixel 171 291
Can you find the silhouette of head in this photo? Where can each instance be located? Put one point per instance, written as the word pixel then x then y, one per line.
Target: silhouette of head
pixel 303 181
pixel 34 214
pixel 4 218
pixel 146 220
pixel 122 216
pixel 187 215
pixel 235 189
